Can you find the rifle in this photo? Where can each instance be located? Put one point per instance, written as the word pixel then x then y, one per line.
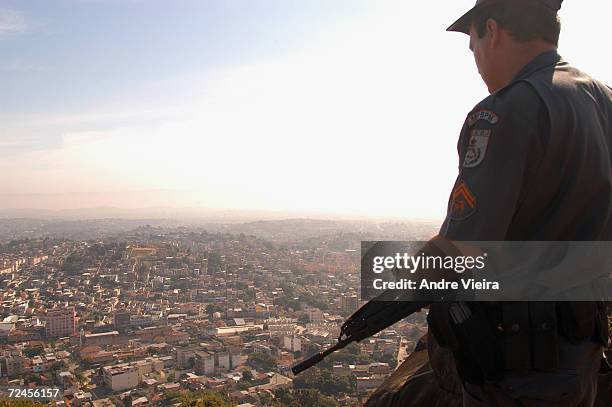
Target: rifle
pixel 382 311
pixel 374 316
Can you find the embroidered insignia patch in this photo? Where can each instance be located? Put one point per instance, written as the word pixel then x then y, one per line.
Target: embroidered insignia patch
pixel 463 202
pixel 486 115
pixel 477 148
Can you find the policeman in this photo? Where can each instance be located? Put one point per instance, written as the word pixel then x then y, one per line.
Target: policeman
pixel 535 163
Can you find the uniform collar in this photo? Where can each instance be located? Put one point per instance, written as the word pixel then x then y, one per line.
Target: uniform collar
pixel 544 60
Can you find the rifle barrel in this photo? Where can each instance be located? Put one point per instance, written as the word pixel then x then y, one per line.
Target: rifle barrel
pixel 316 358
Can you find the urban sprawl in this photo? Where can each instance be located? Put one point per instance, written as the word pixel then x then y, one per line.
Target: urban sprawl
pixel 159 316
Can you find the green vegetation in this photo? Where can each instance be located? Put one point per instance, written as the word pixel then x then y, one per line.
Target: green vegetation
pixel 314 301
pixel 20 403
pixel 324 382
pixel 350 355
pixel 297 398
pixel 75 263
pixel 390 358
pixel 288 302
pixel 198 399
pixel 31 352
pixel 212 308
pixel 261 361
pixel 312 398
pixel 247 376
pixel 33 378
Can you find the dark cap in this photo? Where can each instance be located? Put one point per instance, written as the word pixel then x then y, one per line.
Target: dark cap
pixel 465 21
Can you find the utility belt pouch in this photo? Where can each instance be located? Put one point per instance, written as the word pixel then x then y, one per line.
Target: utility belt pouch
pixel 545 344
pixel 440 325
pixel 516 336
pixel 478 343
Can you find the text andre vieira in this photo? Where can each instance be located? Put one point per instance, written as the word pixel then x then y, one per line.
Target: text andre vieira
pixel 430 269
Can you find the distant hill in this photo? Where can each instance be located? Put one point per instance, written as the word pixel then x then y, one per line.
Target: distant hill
pixel 335 232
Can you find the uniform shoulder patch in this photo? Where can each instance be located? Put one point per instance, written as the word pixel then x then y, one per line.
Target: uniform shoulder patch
pixel 463 202
pixel 477 148
pixel 483 114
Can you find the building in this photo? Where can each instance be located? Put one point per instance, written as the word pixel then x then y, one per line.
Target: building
pixel 81 397
pixel 236 358
pixel 204 363
pixel 349 303
pixel 103 403
pixel 60 322
pixel 122 319
pixel 140 402
pixel 185 357
pixel 128 375
pixel 223 359
pixel 365 383
pixel 12 364
pixel 380 368
pixel 5 329
pixel 39 364
pixel 292 343
pixel 103 339
pixel 314 314
pixel 120 377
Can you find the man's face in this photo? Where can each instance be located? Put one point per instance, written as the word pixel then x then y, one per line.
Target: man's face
pixel 481 48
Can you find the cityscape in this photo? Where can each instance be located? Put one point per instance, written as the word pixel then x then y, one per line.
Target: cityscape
pixel 187 185
pixel 161 315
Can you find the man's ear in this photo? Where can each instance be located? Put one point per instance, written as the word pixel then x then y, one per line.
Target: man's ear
pixel 493 32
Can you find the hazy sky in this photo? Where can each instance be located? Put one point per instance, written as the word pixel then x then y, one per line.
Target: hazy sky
pixel 346 106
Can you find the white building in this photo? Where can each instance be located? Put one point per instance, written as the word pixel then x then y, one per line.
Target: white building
pixel 292 343
pixel 60 322
pixel 314 314
pixel 236 358
pixel 129 375
pixel 223 361
pixel 121 377
pixel 204 363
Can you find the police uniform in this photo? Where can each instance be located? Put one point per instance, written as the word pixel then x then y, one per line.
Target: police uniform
pixel 535 163
pixel 535 160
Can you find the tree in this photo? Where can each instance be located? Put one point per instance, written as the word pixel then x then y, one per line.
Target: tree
pixel 203 399
pixel 262 361
pixel 247 376
pixel 212 308
pixel 265 399
pixel 75 263
pixel 312 398
pixel 324 382
pixel 79 376
pixel 350 355
pixel 58 366
pixel 390 358
pixel 31 352
pixel 250 295
pixel 285 397
pixel 20 403
pixel 32 378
